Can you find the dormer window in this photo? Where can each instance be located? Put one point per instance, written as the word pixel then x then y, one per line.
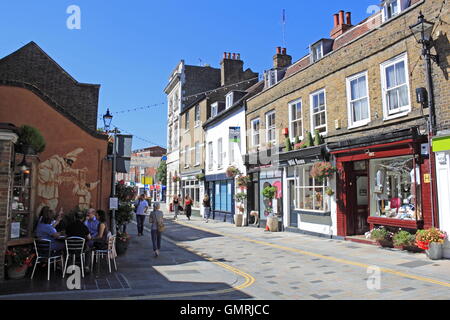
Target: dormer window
pixel 317 52
pixel 271 78
pixel 229 100
pixel 214 109
pixel 391 8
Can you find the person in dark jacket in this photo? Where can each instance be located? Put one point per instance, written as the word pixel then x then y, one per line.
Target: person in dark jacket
pixel 207 207
pixel 188 207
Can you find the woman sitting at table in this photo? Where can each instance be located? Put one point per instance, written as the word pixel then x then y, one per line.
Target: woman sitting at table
pixel 101 241
pixel 46 231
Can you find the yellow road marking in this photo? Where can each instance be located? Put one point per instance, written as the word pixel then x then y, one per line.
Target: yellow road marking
pixel 317 255
pixel 249 280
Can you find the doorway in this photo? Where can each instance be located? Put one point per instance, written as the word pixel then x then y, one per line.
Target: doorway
pixel 358 199
pixel 293 217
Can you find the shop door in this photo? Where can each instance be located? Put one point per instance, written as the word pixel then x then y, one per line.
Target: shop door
pixel 360 204
pixel 293 217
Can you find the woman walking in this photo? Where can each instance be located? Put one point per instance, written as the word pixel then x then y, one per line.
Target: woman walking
pixel 157 227
pixel 188 207
pixel 207 206
pixel 176 206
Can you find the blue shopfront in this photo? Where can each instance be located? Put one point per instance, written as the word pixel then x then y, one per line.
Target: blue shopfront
pixel 220 190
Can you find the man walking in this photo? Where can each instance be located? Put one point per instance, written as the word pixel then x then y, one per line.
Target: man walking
pixel 141 207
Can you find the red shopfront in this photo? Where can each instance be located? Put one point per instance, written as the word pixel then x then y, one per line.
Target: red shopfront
pixel 383 184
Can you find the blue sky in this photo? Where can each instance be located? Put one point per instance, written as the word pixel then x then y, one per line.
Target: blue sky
pixel 130 47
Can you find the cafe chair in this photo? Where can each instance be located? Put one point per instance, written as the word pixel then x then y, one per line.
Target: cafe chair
pixel 44 254
pixel 109 253
pixel 74 250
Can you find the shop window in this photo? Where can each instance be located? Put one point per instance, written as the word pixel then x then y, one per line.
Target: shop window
pixel 358 100
pixel 319 112
pixel 22 216
pixel 395 87
pixel 395 189
pixel 309 192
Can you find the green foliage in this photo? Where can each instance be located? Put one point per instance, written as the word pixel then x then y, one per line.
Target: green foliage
pixel 288 145
pixel 200 177
pixel 269 192
pixel 32 137
pixel 241 197
pixel 309 142
pixel 380 234
pixel 161 174
pixel 125 193
pixel 297 140
pixel 124 214
pixel 404 238
pixel 318 139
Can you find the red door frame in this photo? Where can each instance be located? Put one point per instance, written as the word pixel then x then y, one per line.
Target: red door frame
pixel 344 160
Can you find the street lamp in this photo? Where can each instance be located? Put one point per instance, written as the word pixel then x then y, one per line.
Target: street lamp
pixel 107 118
pixel 422 32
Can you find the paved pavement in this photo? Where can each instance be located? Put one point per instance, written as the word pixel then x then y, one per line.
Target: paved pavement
pixel 219 261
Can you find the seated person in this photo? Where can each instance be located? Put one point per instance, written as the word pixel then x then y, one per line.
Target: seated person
pixel 92 222
pixel 101 241
pixel 77 228
pixel 46 231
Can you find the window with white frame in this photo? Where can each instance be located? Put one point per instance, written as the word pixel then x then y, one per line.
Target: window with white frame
pixel 219 153
pixel 197 153
pixel 358 100
pixel 271 78
pixel 391 8
pixel 317 51
pixel 186 156
pixel 295 120
pixel 175 135
pixel 319 112
pixel 169 139
pixel 210 155
pixel 255 132
pixel 310 193
pixel 395 86
pixel 197 115
pixel 214 109
pixel 175 102
pixel 270 127
pixel 229 100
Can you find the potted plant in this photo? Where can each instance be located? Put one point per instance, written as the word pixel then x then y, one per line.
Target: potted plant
pixel 288 145
pixel 322 170
pixel 232 172
pixel 124 215
pixel 240 198
pixel 122 240
pixel 318 139
pixel 382 236
pixel 431 240
pixel 18 260
pixel 269 193
pixel 30 140
pixel 243 181
pixel 329 192
pixel 404 240
pixel 176 178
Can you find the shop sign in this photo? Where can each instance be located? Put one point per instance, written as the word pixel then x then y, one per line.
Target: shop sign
pixel 296 162
pixel 114 203
pixel 427 178
pixel 441 144
pixel 235 134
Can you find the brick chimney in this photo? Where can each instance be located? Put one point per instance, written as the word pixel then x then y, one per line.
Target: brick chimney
pixel 342 23
pixel 232 68
pixel 281 59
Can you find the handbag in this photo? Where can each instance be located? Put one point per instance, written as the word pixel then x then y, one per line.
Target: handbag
pixel 180 208
pixel 161 226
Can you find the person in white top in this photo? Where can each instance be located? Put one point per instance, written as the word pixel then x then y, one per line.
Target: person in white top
pixel 141 207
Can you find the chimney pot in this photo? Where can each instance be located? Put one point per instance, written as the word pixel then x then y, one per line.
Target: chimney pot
pixel 228 55
pixel 348 16
pixel 278 50
pixel 238 56
pixel 283 51
pixel 224 55
pixel 341 17
pixel 336 20
pixel 234 56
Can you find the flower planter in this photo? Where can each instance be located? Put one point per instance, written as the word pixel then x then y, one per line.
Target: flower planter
pixel 435 251
pixel 402 247
pixel 385 243
pixel 121 247
pixel 446 250
pixel 412 248
pixel 17 272
pixel 272 223
pixel 238 219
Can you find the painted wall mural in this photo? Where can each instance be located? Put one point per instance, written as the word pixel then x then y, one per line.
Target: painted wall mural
pixel 58 170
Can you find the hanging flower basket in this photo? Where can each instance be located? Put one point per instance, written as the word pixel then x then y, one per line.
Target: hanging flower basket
pixel 176 178
pixel 232 172
pixel 322 170
pixel 200 177
pixel 243 181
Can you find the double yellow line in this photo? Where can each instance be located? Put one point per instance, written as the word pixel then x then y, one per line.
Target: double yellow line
pixel 317 255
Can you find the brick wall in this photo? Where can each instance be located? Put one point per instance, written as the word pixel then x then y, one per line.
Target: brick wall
pixel 5 185
pixel 33 66
pixel 330 73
